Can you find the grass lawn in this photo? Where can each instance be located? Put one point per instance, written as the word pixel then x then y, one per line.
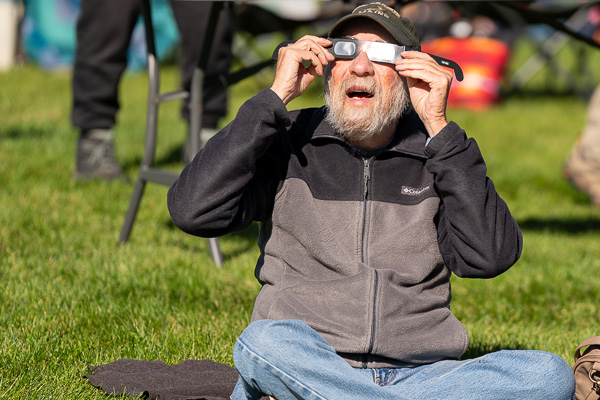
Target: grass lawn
pixel 71 296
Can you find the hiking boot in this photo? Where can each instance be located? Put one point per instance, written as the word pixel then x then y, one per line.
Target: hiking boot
pixel 583 172
pixel 95 157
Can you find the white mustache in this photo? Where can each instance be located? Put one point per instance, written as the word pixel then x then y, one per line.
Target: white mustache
pixel 364 122
pixel 369 85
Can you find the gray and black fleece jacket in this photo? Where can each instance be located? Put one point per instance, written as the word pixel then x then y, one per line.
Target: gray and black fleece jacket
pixel 358 244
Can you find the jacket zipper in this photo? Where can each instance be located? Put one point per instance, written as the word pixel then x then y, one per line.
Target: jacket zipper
pixel 366 178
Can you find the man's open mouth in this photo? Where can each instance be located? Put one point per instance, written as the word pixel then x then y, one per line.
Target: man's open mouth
pixel 359 93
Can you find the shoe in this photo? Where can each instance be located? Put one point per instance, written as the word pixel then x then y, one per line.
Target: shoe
pixel 95 158
pixel 583 173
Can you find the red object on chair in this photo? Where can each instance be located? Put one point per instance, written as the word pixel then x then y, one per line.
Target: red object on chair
pixel 482 60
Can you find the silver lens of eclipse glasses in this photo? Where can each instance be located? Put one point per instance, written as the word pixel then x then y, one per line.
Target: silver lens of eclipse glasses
pixel 376 51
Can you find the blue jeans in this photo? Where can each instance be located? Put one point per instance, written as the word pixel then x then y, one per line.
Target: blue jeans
pixel 287 359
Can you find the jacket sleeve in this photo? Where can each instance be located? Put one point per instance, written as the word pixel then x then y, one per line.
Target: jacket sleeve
pixel 232 180
pixel 477 235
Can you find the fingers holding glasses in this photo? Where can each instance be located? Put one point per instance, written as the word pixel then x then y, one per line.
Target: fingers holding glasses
pixel 429 85
pixel 422 66
pixel 317 46
pixel 292 76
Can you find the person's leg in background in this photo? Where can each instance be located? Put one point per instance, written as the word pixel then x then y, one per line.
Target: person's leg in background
pixel 104 29
pixel 582 168
pixel 192 18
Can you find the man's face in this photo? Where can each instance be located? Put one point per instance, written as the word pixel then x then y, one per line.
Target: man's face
pixel 365 98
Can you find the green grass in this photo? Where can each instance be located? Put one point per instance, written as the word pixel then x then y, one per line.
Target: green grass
pixel 70 296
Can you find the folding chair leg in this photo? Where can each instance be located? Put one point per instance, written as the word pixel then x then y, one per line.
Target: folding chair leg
pixel 134 203
pixel 147 172
pixel 215 251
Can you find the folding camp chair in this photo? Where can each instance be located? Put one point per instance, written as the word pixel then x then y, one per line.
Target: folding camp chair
pixel 148 173
pixel 198 93
pixel 545 55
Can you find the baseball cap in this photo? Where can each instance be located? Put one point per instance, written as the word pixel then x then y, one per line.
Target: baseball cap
pixel 398 26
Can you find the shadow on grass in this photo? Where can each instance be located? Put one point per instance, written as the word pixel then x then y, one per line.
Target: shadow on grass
pixel 245 240
pixel 567 225
pixel 132 164
pixel 171 156
pixel 584 92
pixel 24 132
pixel 478 350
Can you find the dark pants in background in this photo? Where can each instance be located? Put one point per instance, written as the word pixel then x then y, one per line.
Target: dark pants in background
pixel 104 31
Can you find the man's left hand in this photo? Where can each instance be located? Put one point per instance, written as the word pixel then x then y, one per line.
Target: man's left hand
pixel 428 85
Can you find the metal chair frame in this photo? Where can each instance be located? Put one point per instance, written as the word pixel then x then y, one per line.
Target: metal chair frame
pixel 148 173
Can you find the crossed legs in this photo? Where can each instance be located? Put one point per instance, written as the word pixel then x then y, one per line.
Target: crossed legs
pixel 288 360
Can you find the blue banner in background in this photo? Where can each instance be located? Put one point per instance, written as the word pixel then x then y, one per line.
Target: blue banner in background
pixel 48 33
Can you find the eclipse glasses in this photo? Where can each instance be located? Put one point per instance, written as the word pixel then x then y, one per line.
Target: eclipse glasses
pixel 376 51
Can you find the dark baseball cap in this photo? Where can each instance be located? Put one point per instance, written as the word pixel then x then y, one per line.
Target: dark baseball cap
pixel 398 26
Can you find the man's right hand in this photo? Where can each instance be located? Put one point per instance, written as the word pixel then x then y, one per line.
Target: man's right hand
pixel 291 76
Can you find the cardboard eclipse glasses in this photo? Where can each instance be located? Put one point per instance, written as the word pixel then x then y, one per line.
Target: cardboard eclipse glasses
pixel 375 51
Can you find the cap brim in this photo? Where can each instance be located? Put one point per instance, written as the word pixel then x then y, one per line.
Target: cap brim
pixel 393 30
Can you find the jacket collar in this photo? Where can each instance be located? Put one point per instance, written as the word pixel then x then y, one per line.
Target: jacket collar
pixel 410 137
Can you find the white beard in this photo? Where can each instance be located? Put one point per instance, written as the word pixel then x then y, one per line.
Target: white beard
pixel 362 123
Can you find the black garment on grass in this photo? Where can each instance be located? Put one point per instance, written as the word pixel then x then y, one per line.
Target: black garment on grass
pixel 188 380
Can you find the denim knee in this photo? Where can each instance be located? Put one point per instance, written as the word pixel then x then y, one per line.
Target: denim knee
pixel 556 377
pixel 274 337
pixel 548 376
pixel 266 346
pixel 279 342
pixel 261 334
pixel 263 339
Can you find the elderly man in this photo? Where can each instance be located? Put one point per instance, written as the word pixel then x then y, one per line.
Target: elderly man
pixel 367 206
